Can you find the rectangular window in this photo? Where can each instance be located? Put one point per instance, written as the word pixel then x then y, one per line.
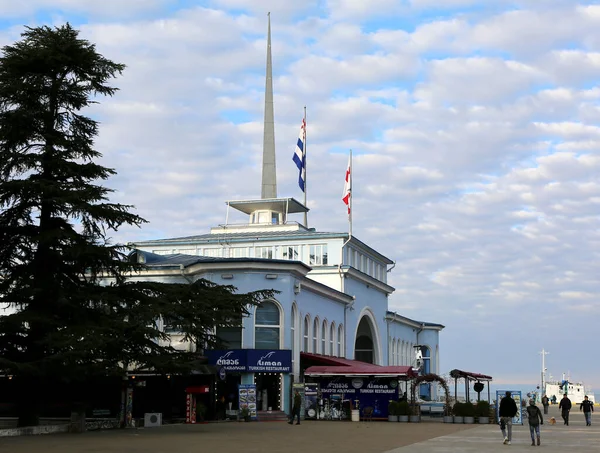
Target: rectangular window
pixel 231 337
pixel 318 255
pixel 162 252
pixel 187 251
pixel 263 252
pixel 238 252
pixel 217 253
pixel 266 337
pixel 291 252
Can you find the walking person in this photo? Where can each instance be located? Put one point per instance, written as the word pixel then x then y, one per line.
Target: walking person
pixel 587 407
pixel 545 403
pixel 508 409
pixel 535 420
pixel 565 406
pixel 296 408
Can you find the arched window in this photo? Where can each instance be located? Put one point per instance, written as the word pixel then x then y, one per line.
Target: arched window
pixel 324 338
pixel 402 353
pixel 267 326
pixel 332 339
pixel 316 325
pixel 306 334
pixel 293 331
pixel 393 345
pixel 340 341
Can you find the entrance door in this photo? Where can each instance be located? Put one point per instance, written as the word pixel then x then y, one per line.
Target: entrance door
pixel 270 383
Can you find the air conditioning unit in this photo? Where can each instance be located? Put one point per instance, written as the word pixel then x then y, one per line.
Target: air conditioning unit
pixel 152 419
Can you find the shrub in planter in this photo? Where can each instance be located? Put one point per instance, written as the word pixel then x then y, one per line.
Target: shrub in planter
pixel 482 411
pixel 403 411
pixel 468 411
pixel 457 411
pixel 393 411
pixel 245 414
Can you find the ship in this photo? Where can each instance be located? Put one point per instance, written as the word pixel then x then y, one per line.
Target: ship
pixel 555 390
pixel 576 391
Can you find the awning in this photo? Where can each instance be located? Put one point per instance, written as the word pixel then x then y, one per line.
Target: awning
pixel 337 366
pixel 458 374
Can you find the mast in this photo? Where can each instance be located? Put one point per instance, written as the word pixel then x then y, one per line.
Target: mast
pixel 269 176
pixel 543 353
pixel 304 163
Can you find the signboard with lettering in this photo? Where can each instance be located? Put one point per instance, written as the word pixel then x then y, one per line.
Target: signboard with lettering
pixel 516 395
pixel 374 392
pixel 252 360
pixel 229 360
pixel 269 360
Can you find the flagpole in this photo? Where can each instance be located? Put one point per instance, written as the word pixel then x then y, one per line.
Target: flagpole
pixel 351 197
pixel 305 172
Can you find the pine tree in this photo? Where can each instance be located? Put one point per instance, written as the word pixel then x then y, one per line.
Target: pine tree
pixel 78 307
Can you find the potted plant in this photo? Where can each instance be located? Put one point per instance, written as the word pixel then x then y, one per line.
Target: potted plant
pixel 448 418
pixel 245 414
pixel 403 411
pixel 468 410
pixel 393 411
pixel 482 410
pixel 457 412
pixel 415 413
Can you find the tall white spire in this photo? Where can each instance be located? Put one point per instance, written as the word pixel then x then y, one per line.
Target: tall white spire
pixel 269 172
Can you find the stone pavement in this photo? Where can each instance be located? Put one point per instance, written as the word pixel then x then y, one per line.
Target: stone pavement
pixel 312 437
pixel 488 438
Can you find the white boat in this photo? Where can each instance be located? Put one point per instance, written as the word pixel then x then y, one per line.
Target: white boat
pixel 576 391
pixel 555 390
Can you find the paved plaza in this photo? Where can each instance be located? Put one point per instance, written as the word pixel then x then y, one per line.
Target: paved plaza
pixel 313 437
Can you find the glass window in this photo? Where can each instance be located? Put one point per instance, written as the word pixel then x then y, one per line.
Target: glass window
pixel 318 255
pixel 324 337
pixel 332 339
pixel 294 316
pixel 267 326
pixel 263 252
pixel 339 341
pixel 238 252
pixel 291 252
pixel 306 346
pixel 218 253
pixel 231 337
pixel 316 336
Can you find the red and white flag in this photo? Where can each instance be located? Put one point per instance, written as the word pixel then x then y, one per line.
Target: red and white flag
pixel 348 185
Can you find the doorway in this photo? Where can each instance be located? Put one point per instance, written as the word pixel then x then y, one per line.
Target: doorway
pixel 268 389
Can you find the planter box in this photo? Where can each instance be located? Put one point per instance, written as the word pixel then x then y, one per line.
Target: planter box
pixel 392 418
pixel 448 419
pixel 484 420
pixel 458 419
pixel 403 418
pixel 469 420
pixel 415 419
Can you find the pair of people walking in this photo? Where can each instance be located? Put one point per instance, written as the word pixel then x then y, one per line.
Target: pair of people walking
pixel 508 409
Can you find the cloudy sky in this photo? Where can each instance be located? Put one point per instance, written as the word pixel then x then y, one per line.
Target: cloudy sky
pixel 474 128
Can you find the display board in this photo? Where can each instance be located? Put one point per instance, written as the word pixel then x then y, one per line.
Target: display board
pixel 516 395
pixel 247 398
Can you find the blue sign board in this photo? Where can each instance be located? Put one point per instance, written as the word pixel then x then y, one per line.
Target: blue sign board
pixel 516 395
pixel 252 360
pixel 374 392
pixel 229 360
pixel 269 360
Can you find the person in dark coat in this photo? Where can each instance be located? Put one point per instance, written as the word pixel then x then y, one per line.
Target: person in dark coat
pixel 545 403
pixel 508 409
pixel 565 406
pixel 296 408
pixel 587 407
pixel 535 420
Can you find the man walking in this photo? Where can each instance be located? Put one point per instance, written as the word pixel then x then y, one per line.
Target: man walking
pixel 508 409
pixel 535 420
pixel 587 407
pixel 545 403
pixel 565 407
pixel 296 408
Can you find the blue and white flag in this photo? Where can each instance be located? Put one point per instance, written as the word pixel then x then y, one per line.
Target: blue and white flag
pixel 300 156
